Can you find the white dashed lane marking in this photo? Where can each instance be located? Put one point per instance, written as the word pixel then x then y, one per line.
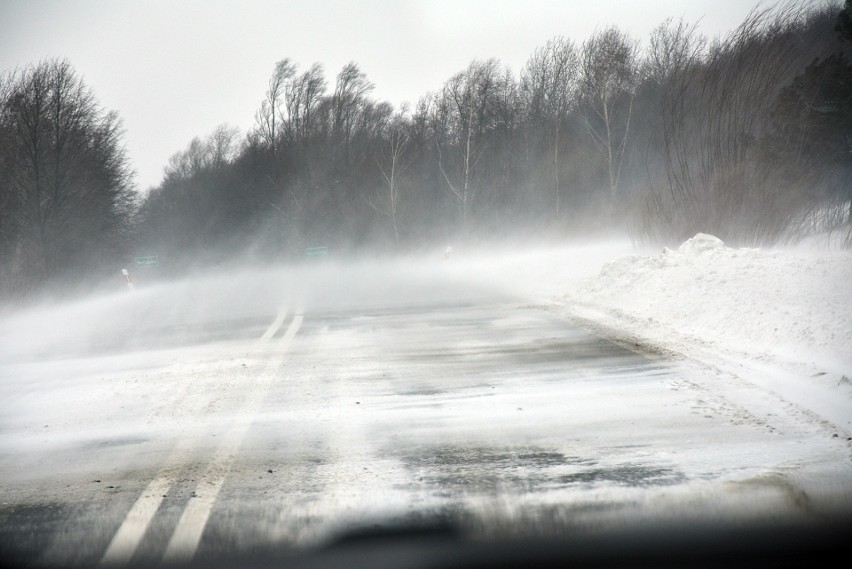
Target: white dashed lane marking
pixel 187 535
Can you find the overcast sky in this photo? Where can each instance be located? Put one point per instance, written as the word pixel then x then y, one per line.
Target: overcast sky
pixel 176 69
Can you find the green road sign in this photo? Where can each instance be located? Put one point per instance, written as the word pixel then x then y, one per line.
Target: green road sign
pixel 146 261
pixel 316 251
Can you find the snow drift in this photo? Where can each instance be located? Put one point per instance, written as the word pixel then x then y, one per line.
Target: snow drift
pixel 785 305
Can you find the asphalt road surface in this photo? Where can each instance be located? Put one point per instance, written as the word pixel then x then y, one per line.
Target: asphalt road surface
pixel 269 429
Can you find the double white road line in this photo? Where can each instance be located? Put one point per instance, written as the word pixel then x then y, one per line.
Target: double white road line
pixel 187 534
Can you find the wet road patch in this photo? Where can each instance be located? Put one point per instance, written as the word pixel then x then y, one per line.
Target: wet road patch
pixel 450 471
pixel 26 531
pixel 626 475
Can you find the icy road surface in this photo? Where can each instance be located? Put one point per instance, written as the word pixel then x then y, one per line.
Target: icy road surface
pixel 181 422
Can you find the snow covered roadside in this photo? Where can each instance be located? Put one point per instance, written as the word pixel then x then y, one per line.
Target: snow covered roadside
pixel 777 318
pixel 788 305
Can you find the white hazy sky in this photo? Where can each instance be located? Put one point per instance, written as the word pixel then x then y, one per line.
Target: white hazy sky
pixel 176 69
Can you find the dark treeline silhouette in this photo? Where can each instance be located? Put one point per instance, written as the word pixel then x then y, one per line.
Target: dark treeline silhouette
pixel 746 136
pixel 755 133
pixel 66 197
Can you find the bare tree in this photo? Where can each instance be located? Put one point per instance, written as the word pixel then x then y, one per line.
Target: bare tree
pixel 549 85
pixel 214 151
pixel 269 117
pixel 673 47
pixel 303 95
pixel 609 65
pixel 348 100
pixel 392 164
pixel 222 145
pixel 466 113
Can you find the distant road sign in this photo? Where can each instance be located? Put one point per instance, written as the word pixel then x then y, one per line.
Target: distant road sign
pixel 151 261
pixel 316 251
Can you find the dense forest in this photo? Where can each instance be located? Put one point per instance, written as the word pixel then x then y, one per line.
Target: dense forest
pixel 746 136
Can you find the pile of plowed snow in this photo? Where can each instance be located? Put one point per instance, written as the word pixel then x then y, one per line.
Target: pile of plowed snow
pixel 790 304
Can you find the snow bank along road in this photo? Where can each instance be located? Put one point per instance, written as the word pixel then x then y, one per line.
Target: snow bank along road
pixel 263 414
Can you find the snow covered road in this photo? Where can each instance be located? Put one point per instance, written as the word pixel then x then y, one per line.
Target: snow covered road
pixel 280 420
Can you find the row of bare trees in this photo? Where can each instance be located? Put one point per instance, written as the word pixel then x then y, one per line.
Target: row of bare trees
pixel 732 132
pixel 747 136
pixel 485 152
pixel 66 197
pixel 682 135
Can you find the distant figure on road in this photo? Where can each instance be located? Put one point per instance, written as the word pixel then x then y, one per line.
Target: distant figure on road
pixel 447 252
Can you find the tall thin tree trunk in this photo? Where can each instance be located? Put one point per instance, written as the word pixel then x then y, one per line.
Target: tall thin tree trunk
pixel 556 172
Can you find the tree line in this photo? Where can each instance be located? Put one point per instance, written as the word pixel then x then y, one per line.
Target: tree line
pixel 66 195
pixel 746 136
